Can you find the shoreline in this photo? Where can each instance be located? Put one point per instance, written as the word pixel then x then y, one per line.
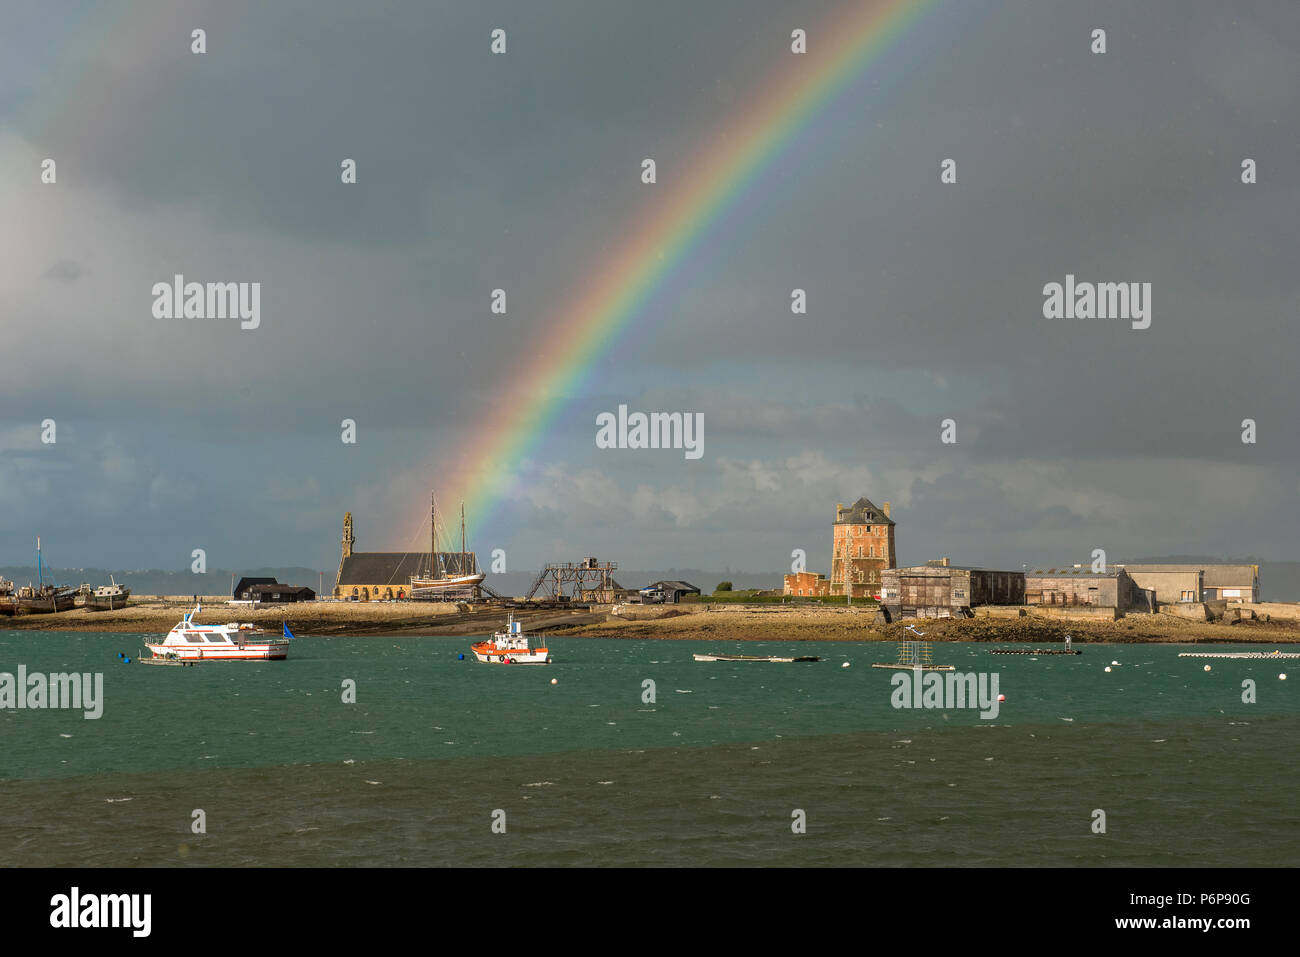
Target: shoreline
pixel 693 622
pixel 728 628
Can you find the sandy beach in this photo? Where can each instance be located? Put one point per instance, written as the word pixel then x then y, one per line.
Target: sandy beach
pixel 680 622
pixel 788 623
pixel 150 615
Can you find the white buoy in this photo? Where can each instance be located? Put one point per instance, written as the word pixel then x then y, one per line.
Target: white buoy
pixel 1115 663
pixel 1207 667
pixel 1282 676
pixel 845 665
pixel 555 681
pixel 1108 668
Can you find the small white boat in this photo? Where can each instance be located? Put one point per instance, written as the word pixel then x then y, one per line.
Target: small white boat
pixel 230 642
pixel 511 647
pixel 719 656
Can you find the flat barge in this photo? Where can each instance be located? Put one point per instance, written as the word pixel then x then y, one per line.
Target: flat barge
pixel 1257 655
pixel 719 656
pixel 1034 651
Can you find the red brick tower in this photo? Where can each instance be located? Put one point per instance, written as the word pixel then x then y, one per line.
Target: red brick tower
pixel 864 546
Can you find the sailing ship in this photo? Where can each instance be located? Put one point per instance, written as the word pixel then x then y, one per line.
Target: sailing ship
pixel 40 598
pixel 449 571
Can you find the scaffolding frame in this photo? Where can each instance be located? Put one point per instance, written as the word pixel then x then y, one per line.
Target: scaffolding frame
pixel 590 581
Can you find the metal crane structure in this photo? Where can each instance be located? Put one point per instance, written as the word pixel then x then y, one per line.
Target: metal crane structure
pixel 586 581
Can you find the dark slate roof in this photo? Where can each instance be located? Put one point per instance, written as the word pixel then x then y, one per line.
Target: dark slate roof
pixel 396 568
pixel 674 586
pixel 282 590
pixel 864 512
pixel 246 583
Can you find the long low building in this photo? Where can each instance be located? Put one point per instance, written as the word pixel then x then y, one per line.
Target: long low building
pixel 813 584
pixel 1110 589
pixel 941 590
pixel 281 594
pixel 1211 581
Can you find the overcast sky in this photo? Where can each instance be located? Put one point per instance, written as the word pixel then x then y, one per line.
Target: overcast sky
pixel 520 171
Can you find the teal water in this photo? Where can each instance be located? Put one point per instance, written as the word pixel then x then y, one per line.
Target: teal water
pixel 589 772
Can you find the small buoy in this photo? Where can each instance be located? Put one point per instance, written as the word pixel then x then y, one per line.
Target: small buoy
pixel 1115 663
pixel 461 656
pixel 127 660
pixel 1207 667
pixel 1282 676
pixel 845 665
pixel 1108 667
pixel 120 655
pixel 1002 697
pixel 555 681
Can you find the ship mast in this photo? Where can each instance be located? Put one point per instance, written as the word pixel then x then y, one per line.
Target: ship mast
pixel 433 532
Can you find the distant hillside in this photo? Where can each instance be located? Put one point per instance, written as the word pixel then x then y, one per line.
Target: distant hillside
pixel 518 583
pixel 1278 581
pixel 157 582
pixel 218 582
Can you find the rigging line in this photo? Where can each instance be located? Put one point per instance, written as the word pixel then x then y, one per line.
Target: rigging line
pixel 412 539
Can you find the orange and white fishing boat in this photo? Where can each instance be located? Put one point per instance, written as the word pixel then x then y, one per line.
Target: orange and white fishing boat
pixel 190 641
pixel 511 647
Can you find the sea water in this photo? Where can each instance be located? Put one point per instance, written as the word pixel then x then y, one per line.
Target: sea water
pixel 396 751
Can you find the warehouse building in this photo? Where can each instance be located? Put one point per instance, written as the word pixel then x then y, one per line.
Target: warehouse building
pixel 1111 589
pixel 939 589
pixel 1210 581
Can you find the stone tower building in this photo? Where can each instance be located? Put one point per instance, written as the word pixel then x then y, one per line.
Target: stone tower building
pixel 348 538
pixel 864 547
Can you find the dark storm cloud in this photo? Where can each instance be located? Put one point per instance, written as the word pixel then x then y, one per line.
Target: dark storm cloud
pixel 476 172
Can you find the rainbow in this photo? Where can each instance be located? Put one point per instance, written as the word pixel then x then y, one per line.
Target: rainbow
pixel 612 294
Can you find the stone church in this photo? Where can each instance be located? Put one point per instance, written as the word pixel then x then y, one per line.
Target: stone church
pixel 384 576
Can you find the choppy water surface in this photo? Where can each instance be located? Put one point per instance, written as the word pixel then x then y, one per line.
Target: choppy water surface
pixel 588 771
